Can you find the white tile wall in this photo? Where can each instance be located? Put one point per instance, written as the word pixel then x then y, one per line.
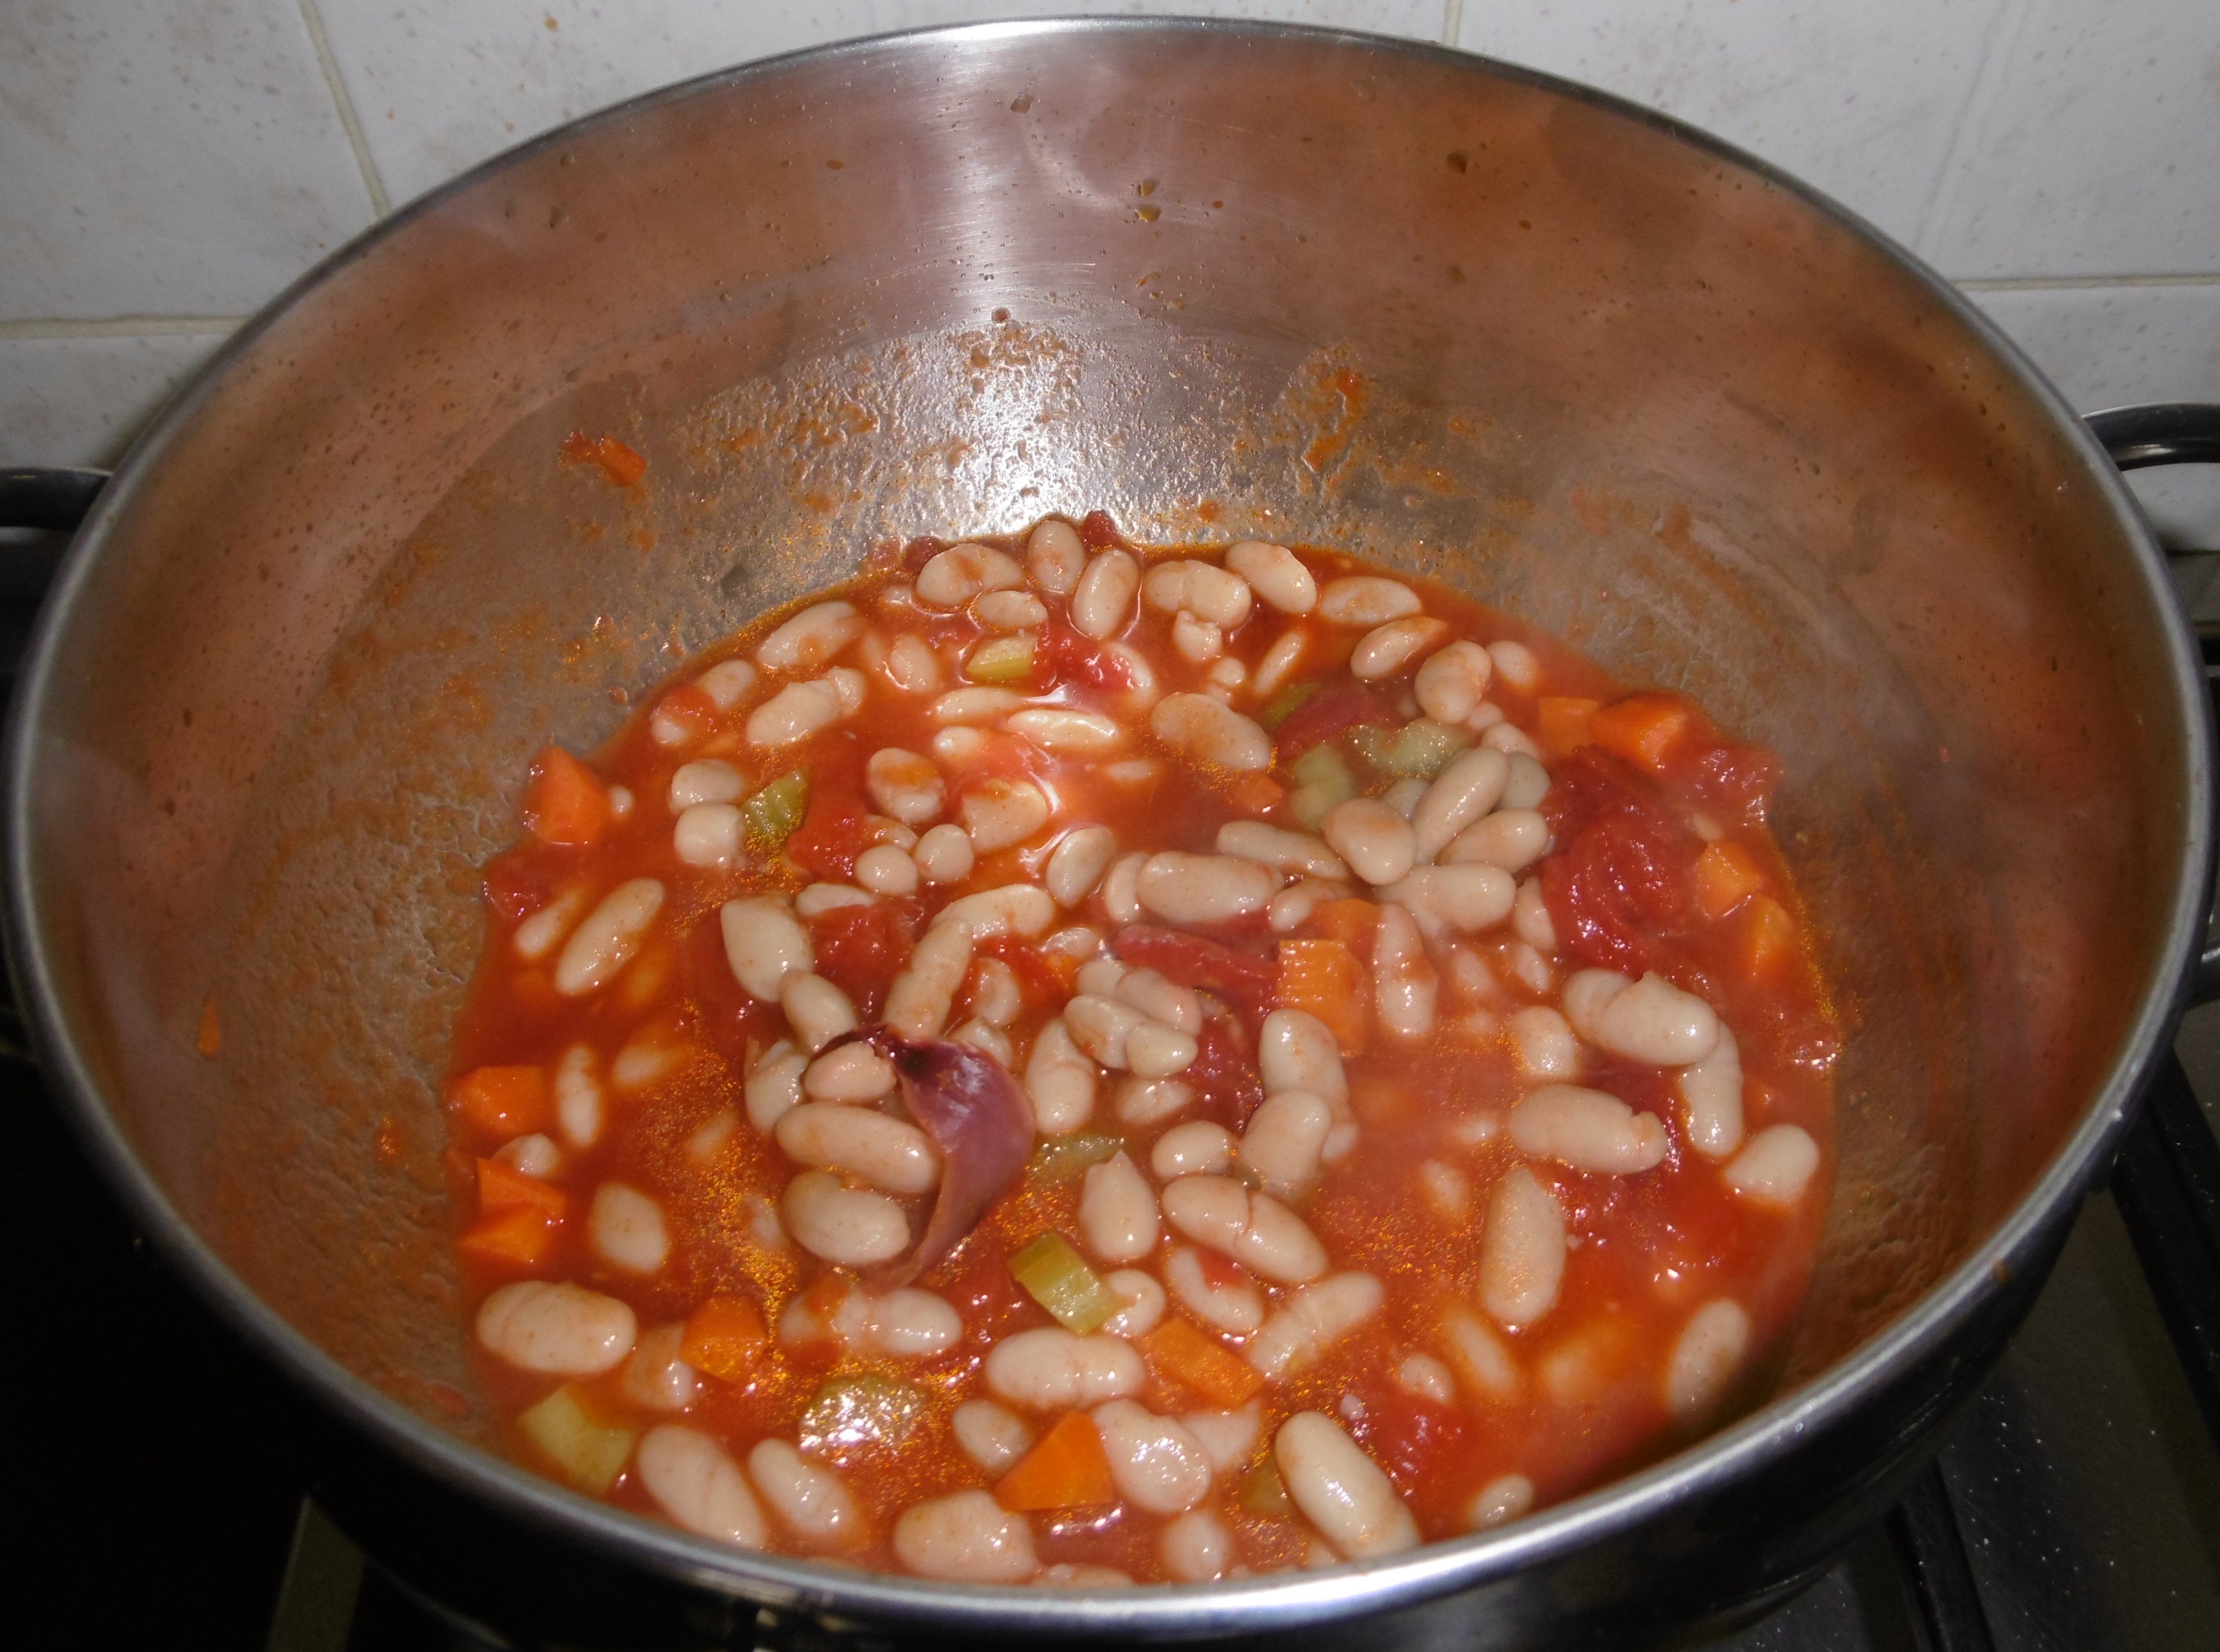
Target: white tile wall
pixel 171 164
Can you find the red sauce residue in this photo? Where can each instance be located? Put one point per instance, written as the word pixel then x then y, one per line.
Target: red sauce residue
pixel 621 465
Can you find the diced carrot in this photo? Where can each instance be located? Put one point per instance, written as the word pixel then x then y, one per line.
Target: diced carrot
pixel 1324 978
pixel 1564 722
pixel 1724 874
pixel 519 1237
pixel 620 464
pixel 1176 1350
pixel 501 1188
pixel 1352 922
pixel 566 803
pixel 724 1336
pixel 502 1102
pixel 1643 728
pixel 1067 1468
pixel 1768 936
pixel 1256 793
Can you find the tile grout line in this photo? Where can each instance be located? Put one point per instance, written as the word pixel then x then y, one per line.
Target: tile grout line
pixel 126 327
pixel 380 204
pixel 1980 96
pixel 1452 22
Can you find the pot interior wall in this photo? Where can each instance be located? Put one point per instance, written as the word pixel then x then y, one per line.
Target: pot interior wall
pixel 1220 284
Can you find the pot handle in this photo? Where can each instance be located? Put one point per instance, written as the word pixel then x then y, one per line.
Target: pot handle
pixel 2169 433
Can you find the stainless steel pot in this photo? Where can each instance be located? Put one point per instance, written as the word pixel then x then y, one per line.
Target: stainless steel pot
pixel 1221 280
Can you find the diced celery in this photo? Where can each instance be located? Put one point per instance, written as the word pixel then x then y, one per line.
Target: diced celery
pixel 1370 741
pixel 591 1454
pixel 1058 1277
pixel 1285 703
pixel 1262 1491
pixel 1067 1156
pixel 1322 779
pixel 1423 748
pixel 1005 659
pixel 773 813
pixel 861 1406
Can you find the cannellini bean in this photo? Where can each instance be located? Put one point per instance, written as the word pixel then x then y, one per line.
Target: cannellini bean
pixel 1254 1229
pixel 1286 1135
pixel 990 1436
pixel 1279 663
pixel 1055 558
pixel 1291 908
pixel 1064 729
pixel 976 705
pixel 764 944
pixel 608 936
pixel 1140 694
pixel 1101 1027
pixel 966 1537
pixel 818 1011
pixel 1465 790
pixel 1224 678
pixel 1080 1574
pixel 1710 1098
pixel 1546 1048
pixel 1227 1437
pixel 726 682
pixel 627 1229
pixel 1142 1102
pixel 1103 599
pixel 1122 889
pixel 912 666
pixel 1075 941
pixel 1102 977
pixel 1366 599
pixel 1427 1377
pixel 1276 573
pixel 1406 986
pixel 1077 863
pixel 945 854
pixel 1118 1211
pixel 535 938
pixel 1527 966
pixel 847 1226
pixel 1377 842
pixel 1404 795
pixel 1144 1300
pixel 557 1330
pixel 774 1085
pixel 1502 1500
pixel 1648 1021
pixel 817 898
pixel 1298 1051
pixel 1530 918
pixel 982 1035
pixel 1155 1462
pixel 646 1058
pixel 884 870
pixel 1233 1305
pixel 1511 839
pixel 810 1501
pixel 1194 1548
pixel 1446 1188
pixel 1314 1319
pixel 905 785
pixel 1060 1079
pixel 1704 1359
pixel 1008 611
pixel 1454 900
pixel 1480 1359
pixel 1154 1051
pixel 920 997
pixel 1341 1491
pixel 708 835
pixel 1009 909
pixel 953 577
pixel 1051 1370
pixel 811 638
pixel 1200 728
pixel 1774 1167
pixel 1161 999
pixel 531 1155
pixel 1188 889
pixel 1510 741
pixel 1000 812
pixel 578 1111
pixel 1388 650
pixel 1291 853
pixel 1218 596
pixel 1192 1149
pixel 872 1146
pixel 795 711
pixel 996 997
pixel 1522 1256
pixel 1588 1129
pixel 708 781
pixel 1516 664
pixel 1450 683
pixel 854 1072
pixel 1196 640
pixel 1529 783
pixel 697 1486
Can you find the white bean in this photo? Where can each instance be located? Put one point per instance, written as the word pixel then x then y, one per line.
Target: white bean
pixel 1406 986
pixel 1103 599
pixel 1446 1188
pixel 884 869
pixel 1254 1229
pixel 1077 863
pixel 1008 909
pixel 984 1035
pixel 1404 795
pixel 1008 611
pixel 1054 557
pixel 726 682
pixel 1227 1437
pixel 708 835
pixel 1290 853
pixel 912 666
pixel 905 785
pixel 819 898
pixel 627 1229
pixel 811 638
pixel 764 944
pixel 1286 1135
pixel 1516 664
pixel 709 781
pixel 1118 1211
pixel 967 1537
pixel 1511 839
pixel 1588 1129
pixel 945 854
pixel 697 1486
pixel 1314 1319
pixel 607 937
pixel 1051 1370
pixel 1067 730
pixel 872 1146
pixel 847 1226
pixel 794 712
pixel 1710 1098
pixel 809 1500
pixel 1704 1359
pixel 1197 641
pixel 1161 999
pixel 1144 1300
pixel 1276 573
pixel 920 998
pixel 1199 727
pixel 1530 918
pixel 1454 900
pixel 1219 595
pixel 1199 1149
pixel 976 705
pixel 1154 1051
pixel 1234 1305
pixel 534 1156
pixel 1365 600
pixel 1502 1500
pixel 1122 889
pixel 1510 741
pixel 1298 1051
pixel 997 813
pixel 1647 1020
pixel 990 1436
pixel 557 1330
pixel 1377 842
pixel 1774 1167
pixel 1480 1356
pixel 535 938
pixel 1060 1079
pixel 1529 783
pixel 1427 1377
pixel 1292 907
pixel 1468 787
pixel 1194 1547
pixel 996 997
pixel 1155 1462
pixel 854 1072
pixel 1279 663
pixel 1451 682
pixel 578 1111
pixel 1546 1048
pixel 774 1085
pixel 1142 1102
pixel 1187 889
pixel 1342 1491
pixel 818 1011
pixel 1388 650
pixel 1522 1255
pixel 953 577
pixel 1224 678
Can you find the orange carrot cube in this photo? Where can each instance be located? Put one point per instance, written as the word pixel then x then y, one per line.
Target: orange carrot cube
pixel 521 1238
pixel 1643 728
pixel 1067 1468
pixel 1725 874
pixel 726 1336
pixel 502 1102
pixel 501 1188
pixel 1768 936
pixel 1564 722
pixel 1324 978
pixel 566 803
pixel 1176 1350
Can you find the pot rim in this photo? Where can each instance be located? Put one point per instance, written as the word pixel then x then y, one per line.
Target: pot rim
pixel 1281 1601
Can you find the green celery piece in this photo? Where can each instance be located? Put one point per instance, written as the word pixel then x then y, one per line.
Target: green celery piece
pixel 1263 1492
pixel 1067 1156
pixel 591 1454
pixel 1005 659
pixel 1423 748
pixel 773 812
pixel 1322 779
pixel 1285 703
pixel 1058 1277
pixel 859 1407
pixel 1369 742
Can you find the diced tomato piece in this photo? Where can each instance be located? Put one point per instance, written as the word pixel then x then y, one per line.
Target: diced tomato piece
pixel 1255 795
pixel 566 803
pixel 501 1101
pixel 726 1336
pixel 860 949
pixel 1097 531
pixel 1223 1074
pixel 1248 981
pixel 837 827
pixel 1646 729
pixel 1327 713
pixel 1725 872
pixel 725 1016
pixel 1623 882
pixel 501 1188
pixel 1563 722
pixel 1045 979
pixel 1768 937
pixel 1069 656
pixel 518 884
pixel 1410 1438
